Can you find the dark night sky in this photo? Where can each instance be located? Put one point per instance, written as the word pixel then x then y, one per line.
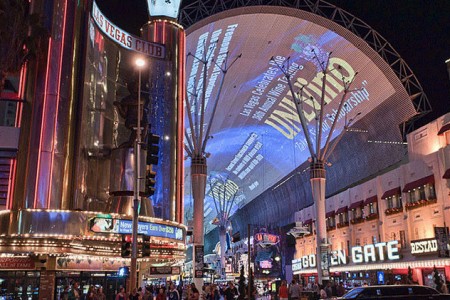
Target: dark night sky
pixel 418 30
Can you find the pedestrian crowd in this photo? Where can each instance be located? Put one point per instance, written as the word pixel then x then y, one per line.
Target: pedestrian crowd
pixel 296 290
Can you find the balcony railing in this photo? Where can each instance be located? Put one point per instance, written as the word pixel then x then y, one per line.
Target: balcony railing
pixel 419 203
pixel 342 225
pixel 357 220
pixel 393 210
pixel 372 216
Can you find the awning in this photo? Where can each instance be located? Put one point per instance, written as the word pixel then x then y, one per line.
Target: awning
pixel 330 214
pixel 356 205
pixel 393 192
pixel 307 222
pixel 342 210
pixel 444 128
pixel 446 174
pixel 418 183
pixel 370 200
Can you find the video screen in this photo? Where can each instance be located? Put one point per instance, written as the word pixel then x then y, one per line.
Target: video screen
pixel 256 136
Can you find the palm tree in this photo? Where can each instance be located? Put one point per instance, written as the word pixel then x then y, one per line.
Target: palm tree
pixel 20 32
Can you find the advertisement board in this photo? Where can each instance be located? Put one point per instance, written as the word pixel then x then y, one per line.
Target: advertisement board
pixel 121 226
pixel 199 262
pixel 165 271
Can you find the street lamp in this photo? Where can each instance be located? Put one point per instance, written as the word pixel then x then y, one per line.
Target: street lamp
pixel 140 63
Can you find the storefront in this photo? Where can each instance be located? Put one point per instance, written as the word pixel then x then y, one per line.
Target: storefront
pixel 381 263
pixel 30 278
pixel 18 278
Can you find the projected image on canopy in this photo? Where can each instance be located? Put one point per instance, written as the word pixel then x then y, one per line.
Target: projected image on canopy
pixel 256 135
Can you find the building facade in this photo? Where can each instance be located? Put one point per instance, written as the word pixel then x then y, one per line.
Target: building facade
pixel 392 227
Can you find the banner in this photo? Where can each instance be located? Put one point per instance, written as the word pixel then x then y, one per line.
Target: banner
pixel 198 261
pixel 441 234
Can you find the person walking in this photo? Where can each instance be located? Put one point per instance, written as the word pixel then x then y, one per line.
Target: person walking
pixel 75 293
pixel 100 295
pixel 283 292
pixel 230 292
pixel 173 292
pixel 148 295
pixel 294 290
pixel 135 295
pixel 213 293
pixel 121 295
pixel 194 294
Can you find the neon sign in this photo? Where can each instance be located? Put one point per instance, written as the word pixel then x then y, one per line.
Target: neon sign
pixel 266 238
pixel 125 39
pixel 359 254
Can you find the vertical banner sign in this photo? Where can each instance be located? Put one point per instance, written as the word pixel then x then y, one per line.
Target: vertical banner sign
pixel 199 253
pixel 325 265
pixel 441 234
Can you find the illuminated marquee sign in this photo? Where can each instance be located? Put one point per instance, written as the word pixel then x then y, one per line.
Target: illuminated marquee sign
pixel 425 246
pixel 125 39
pixel 359 254
pixel 120 226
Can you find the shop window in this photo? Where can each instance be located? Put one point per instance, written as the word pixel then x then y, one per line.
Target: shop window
pixel 374 239
pixel 428 276
pixel 372 208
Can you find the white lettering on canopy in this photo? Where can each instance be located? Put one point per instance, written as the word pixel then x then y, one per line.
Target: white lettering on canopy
pixel 125 39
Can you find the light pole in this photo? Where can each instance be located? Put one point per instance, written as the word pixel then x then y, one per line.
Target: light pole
pixel 140 63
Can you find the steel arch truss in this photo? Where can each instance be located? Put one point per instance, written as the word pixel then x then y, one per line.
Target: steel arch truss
pixel 197 10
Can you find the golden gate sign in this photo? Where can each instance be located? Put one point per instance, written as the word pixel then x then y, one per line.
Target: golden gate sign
pixel 359 254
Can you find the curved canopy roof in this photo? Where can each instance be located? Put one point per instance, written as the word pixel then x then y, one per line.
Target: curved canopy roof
pixel 256 139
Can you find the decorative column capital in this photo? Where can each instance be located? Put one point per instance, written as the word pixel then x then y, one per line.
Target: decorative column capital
pixel 317 170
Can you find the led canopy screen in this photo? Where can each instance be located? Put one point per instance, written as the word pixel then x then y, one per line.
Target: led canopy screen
pixel 256 137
